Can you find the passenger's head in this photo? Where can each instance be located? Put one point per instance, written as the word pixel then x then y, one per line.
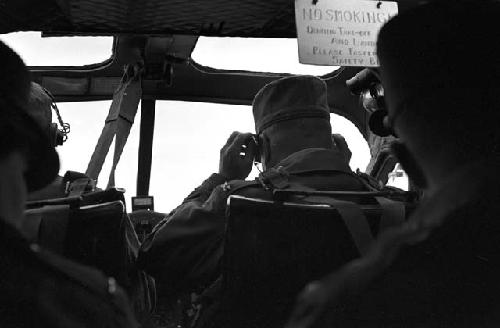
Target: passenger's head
pixel 440 70
pixel 291 114
pixel 22 141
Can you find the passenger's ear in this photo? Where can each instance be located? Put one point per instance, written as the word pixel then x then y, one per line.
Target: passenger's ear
pixel 409 164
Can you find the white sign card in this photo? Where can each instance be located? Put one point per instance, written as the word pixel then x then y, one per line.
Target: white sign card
pixel 340 32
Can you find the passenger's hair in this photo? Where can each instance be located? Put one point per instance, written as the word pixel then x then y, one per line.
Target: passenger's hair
pixel 14 91
pixel 18 131
pixel 12 139
pixel 15 80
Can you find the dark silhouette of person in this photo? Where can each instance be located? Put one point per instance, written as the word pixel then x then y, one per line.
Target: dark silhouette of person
pixel 37 287
pixel 294 137
pixel 40 109
pixel 441 74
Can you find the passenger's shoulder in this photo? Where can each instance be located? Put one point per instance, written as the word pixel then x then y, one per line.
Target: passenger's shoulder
pixel 69 270
pixel 60 293
pixel 69 286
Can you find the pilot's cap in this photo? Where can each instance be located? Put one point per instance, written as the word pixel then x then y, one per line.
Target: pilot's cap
pixel 18 127
pixel 290 98
pixel 446 48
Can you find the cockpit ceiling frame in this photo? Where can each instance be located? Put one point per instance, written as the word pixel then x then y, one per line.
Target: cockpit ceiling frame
pixel 193 82
pixel 160 18
pixel 183 79
pixel 242 18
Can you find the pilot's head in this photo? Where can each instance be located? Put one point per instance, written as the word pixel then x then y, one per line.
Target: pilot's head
pixel 440 70
pixel 39 107
pixel 27 160
pixel 291 114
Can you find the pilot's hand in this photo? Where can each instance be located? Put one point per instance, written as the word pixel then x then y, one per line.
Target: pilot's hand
pixel 236 157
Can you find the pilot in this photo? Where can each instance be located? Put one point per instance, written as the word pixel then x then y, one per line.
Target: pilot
pixel 441 268
pixel 39 108
pixel 38 288
pixel 40 103
pixel 294 138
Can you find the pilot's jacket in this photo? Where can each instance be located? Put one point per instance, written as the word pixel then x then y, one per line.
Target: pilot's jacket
pixel 447 272
pixel 185 249
pixel 41 289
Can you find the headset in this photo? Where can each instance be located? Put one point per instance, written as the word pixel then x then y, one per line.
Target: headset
pixel 366 84
pixel 57 136
pixel 258 147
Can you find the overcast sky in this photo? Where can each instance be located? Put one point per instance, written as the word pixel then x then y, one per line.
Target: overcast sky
pixel 188 136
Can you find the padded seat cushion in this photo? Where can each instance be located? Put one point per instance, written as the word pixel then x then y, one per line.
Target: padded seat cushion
pixel 273 249
pixel 95 235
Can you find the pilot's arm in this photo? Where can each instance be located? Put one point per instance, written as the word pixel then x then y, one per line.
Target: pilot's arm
pixel 184 250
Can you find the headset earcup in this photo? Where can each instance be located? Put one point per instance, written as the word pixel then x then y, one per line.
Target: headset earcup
pixel 56 137
pixel 264 149
pixel 59 140
pixel 378 123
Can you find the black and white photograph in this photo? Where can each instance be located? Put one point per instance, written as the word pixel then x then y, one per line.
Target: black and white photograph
pixel 249 164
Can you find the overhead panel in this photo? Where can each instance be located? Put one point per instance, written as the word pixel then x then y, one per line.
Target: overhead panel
pixel 243 18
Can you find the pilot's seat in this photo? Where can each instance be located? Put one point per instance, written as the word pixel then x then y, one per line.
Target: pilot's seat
pixel 93 234
pixel 274 248
pixel 93 229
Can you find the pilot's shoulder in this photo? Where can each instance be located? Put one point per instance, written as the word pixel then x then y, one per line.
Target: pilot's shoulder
pixel 240 186
pixel 242 183
pixel 247 188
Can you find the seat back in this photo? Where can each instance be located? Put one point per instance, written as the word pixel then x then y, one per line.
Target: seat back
pixel 95 235
pixel 94 229
pixel 88 198
pixel 47 226
pixel 274 248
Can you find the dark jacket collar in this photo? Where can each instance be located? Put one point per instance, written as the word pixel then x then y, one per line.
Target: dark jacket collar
pixel 313 160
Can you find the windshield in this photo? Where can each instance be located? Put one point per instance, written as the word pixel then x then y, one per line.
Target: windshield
pixel 398 178
pixel 59 51
pixel 257 55
pixel 187 140
pixel 188 135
